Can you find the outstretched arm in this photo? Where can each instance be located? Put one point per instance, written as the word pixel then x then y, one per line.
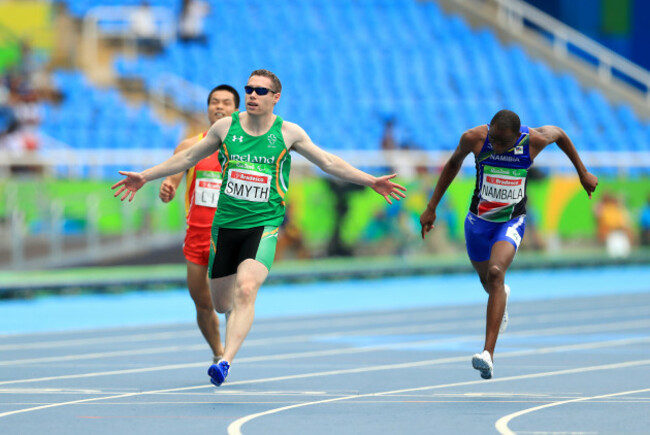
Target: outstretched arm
pixel 548 134
pixel 336 166
pixel 171 182
pixel 177 163
pixel 466 145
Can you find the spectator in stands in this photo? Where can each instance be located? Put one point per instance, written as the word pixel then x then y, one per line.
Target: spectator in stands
pixel 19 115
pixel 28 80
pixel 644 223
pixel 191 21
pixel 393 139
pixel 388 140
pixel 145 31
pixel 613 226
pixel 290 239
pixel 8 123
pixel 8 119
pixel 28 66
pixel 341 191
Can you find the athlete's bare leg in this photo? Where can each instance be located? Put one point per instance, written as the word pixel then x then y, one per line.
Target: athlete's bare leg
pixel 206 318
pixel 492 275
pixel 235 295
pixel 223 291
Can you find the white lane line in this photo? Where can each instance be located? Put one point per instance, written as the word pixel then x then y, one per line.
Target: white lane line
pixel 359 370
pixel 249 343
pixel 307 323
pixel 441 314
pixel 564 330
pixel 266 341
pixel 235 427
pixel 340 323
pixel 107 373
pixel 502 423
pixel 600 328
pixel 148 337
pixel 294 355
pixel 367 319
pixel 97 355
pixel 97 341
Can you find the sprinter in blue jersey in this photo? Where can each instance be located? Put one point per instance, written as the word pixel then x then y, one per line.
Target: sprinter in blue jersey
pixel 494 226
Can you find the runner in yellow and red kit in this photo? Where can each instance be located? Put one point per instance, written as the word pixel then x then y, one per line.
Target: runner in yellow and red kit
pixel 202 193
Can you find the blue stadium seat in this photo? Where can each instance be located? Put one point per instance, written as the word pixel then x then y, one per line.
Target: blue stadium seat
pixel 348 63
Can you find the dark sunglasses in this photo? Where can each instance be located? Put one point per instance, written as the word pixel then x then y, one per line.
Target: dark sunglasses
pixel 258 91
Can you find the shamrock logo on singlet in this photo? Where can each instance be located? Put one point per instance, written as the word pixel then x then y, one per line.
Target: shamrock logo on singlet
pixel 272 139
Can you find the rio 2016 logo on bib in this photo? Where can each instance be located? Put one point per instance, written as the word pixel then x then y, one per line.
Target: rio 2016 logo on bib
pixel 248 185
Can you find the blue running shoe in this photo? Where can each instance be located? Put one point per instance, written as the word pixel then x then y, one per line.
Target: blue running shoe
pixel 218 372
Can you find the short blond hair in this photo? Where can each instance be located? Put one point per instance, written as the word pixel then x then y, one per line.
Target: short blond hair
pixel 268 74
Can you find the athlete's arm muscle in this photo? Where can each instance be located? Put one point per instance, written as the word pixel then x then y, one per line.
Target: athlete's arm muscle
pixel 470 142
pixel 179 162
pixel 540 137
pixel 191 156
pixel 296 138
pixel 171 183
pixel 299 141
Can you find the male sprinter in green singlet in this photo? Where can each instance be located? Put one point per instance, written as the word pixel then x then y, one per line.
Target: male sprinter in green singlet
pixel 254 150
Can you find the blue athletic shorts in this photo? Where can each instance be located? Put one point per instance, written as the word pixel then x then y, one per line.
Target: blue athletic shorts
pixel 480 235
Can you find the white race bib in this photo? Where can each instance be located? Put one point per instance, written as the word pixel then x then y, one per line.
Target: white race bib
pixel 248 185
pixel 207 188
pixel 502 185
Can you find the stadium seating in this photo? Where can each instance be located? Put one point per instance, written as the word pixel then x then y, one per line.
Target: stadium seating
pixel 91 118
pixel 346 66
pixel 79 8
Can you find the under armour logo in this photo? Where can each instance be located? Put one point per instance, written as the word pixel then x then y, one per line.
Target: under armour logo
pixel 236 138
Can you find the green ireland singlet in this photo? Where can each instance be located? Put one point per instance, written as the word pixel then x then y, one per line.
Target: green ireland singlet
pixel 255 177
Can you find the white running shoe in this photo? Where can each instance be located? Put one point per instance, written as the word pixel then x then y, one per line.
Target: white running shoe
pixel 504 321
pixel 483 363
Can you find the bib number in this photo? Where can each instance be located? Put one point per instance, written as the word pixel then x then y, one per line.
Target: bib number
pixel 504 186
pixel 206 191
pixel 248 185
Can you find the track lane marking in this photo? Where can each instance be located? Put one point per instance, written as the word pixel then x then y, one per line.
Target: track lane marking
pixel 593 345
pixel 347 350
pixel 502 424
pixel 235 427
pixel 383 318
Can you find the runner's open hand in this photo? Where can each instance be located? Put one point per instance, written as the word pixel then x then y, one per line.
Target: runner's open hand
pixel 387 188
pixel 132 183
